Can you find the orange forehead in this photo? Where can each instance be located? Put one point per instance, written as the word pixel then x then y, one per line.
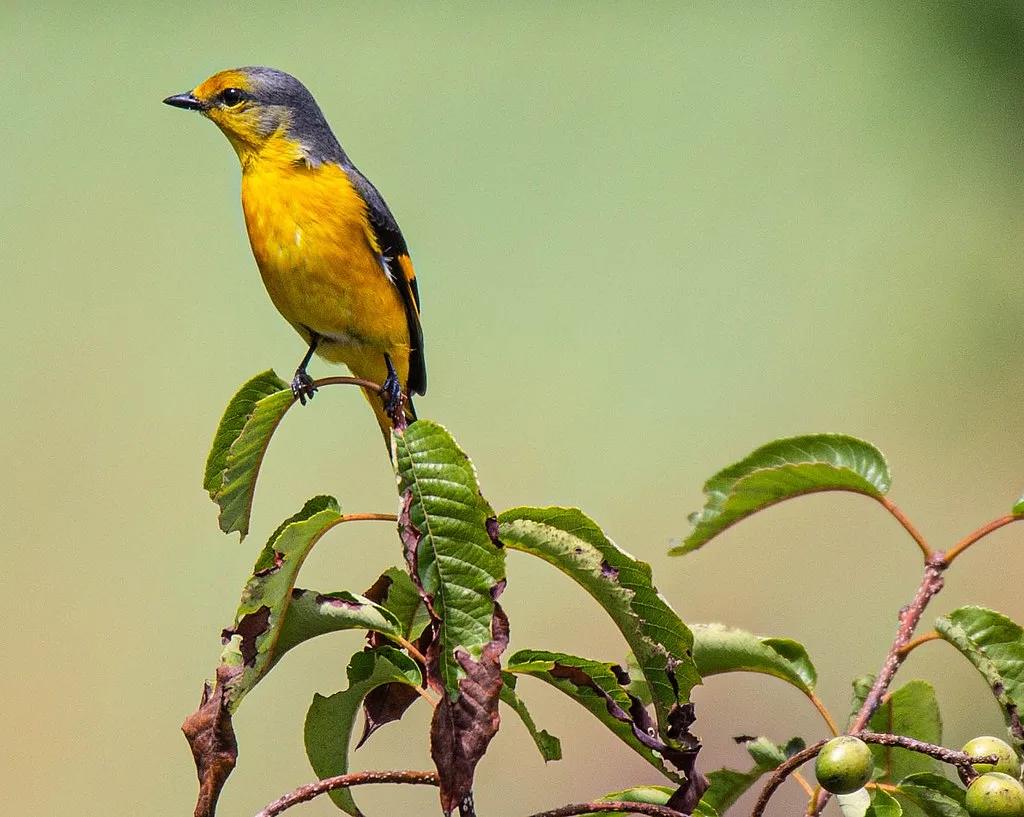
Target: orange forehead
pixel 231 78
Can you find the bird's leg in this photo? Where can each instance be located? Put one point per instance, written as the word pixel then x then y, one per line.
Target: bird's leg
pixel 391 393
pixel 302 383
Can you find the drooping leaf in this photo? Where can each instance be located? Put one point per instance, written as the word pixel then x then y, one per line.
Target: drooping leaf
pixel 395 591
pixel 933 794
pixel 330 720
pixel 211 737
pixel 883 804
pixel 622 585
pixel 311 614
pixel 250 645
pixel 463 726
pixel 595 686
pixel 238 447
pixel 548 745
pixel 994 643
pixel 718 649
pixel 781 470
pixel 446 527
pixel 912 711
pixel 657 795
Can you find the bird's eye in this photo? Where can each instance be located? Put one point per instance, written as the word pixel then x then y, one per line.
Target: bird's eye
pixel 231 97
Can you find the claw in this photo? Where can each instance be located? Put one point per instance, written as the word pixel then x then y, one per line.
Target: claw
pixel 391 393
pixel 302 386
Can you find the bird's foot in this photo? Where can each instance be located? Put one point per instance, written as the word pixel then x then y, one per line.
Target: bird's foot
pixel 391 394
pixel 302 386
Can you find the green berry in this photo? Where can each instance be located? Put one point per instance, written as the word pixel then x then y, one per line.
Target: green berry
pixel 844 765
pixel 988 745
pixel 995 795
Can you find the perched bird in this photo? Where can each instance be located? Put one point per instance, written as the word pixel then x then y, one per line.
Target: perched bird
pixel 330 253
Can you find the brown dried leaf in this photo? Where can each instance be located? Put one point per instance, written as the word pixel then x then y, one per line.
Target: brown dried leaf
pixel 212 739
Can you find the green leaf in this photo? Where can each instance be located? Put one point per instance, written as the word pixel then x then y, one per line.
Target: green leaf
pixel 548 745
pixel 239 445
pixel 933 794
pixel 445 522
pixel 622 585
pixel 728 785
pixel 311 614
pixel 403 600
pixel 329 721
pixel 883 804
pixel 781 470
pixel 912 711
pixel 766 754
pixel 251 644
pixel 861 689
pixel 995 645
pixel 718 649
pixel 855 804
pixel 1018 507
pixel 594 686
pixel 657 795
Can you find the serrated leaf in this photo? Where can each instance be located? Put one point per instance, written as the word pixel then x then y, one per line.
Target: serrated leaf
pixel 781 470
pixel 310 614
pixel 911 711
pixel 594 686
pixel 933 794
pixel 329 721
pixel 238 447
pixel 548 745
pixel 444 523
pixel 883 804
pixel 622 585
pixel 251 643
pixel 855 804
pixel 994 644
pixel 718 649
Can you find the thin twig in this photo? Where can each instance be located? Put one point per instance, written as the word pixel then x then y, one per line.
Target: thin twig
pixel 984 530
pixel 907 648
pixel 607 805
pixel 311 790
pixel 908 526
pixel 802 782
pixel 347 381
pixel 820 706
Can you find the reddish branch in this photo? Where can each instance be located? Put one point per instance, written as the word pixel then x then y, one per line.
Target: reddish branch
pixel 311 790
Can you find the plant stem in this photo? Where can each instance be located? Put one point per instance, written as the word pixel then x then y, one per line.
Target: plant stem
pixel 346 381
pixel 908 526
pixel 981 532
pixel 311 790
pixel 906 649
pixel 820 706
pixel 628 808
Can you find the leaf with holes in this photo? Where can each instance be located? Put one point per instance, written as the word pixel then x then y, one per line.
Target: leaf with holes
pixel 446 527
pixel 329 721
pixel 238 447
pixel 781 470
pixel 995 645
pixel 251 643
pixel 660 642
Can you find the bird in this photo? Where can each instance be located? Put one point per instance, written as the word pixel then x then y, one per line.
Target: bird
pixel 329 250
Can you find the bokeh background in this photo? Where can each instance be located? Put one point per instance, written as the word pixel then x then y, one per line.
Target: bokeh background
pixel 650 237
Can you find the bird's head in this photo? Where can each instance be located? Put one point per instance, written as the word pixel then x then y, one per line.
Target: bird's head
pixel 266 114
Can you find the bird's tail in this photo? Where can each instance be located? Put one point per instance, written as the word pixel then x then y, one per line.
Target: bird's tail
pixel 383 420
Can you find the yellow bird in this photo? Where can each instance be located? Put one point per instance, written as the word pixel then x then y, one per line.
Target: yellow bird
pixel 330 253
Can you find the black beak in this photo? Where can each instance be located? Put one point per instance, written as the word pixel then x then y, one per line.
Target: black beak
pixel 186 100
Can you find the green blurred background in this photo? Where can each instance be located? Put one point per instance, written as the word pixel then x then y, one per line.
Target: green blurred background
pixel 649 238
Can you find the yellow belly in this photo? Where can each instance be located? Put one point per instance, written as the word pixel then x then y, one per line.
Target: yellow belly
pixel 319 263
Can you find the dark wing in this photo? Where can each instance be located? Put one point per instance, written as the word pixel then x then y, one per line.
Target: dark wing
pixel 394 250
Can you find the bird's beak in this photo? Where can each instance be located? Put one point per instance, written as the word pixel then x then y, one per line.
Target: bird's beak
pixel 187 100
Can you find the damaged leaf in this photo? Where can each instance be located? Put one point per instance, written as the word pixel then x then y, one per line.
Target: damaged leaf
pixel 211 737
pixel 596 687
pixel 395 591
pixel 329 721
pixel 718 649
pixel 781 470
pixel 250 646
pixel 994 643
pixel 463 727
pixel 238 447
pixel 445 527
pixel 549 746
pixel 622 585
